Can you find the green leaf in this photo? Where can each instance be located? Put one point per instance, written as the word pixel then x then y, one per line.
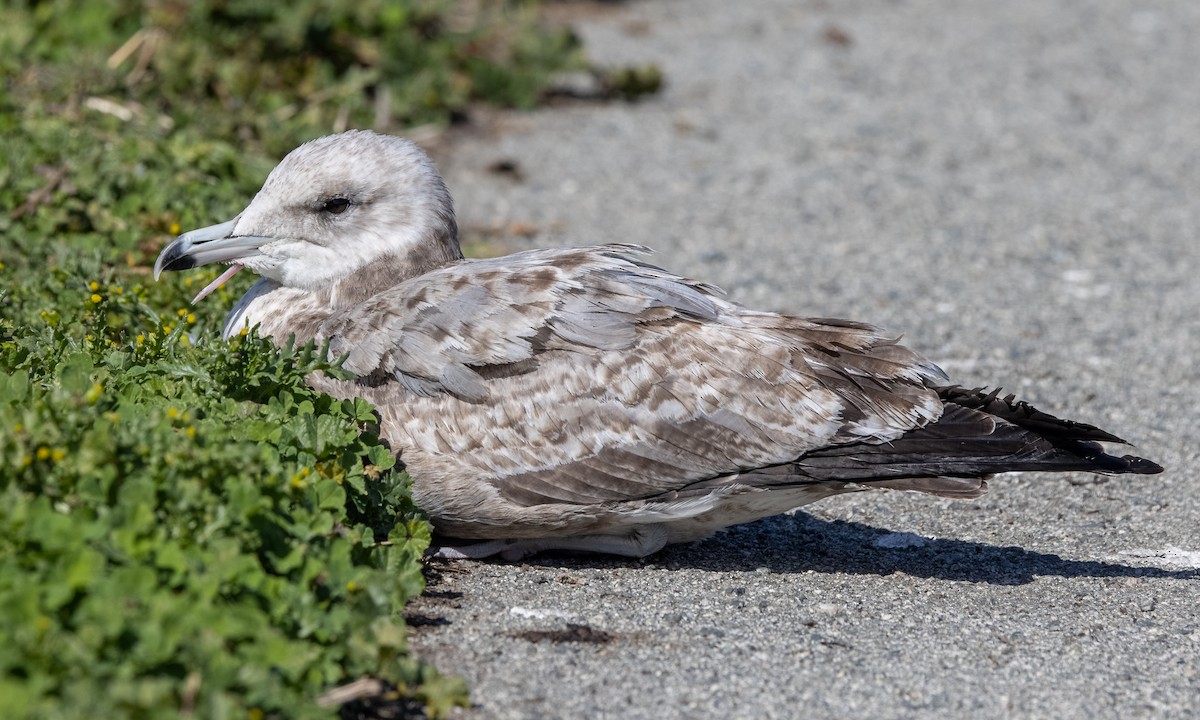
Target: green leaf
pixel 75 375
pixel 330 495
pixel 14 388
pixel 87 566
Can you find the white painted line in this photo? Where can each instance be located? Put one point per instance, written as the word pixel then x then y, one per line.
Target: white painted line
pixel 537 613
pixel 1170 557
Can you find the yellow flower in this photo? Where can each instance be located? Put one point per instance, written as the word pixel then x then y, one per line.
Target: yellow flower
pixel 93 286
pixel 58 454
pixel 175 231
pixel 1 266
pixel 191 318
pixel 43 453
pixel 181 312
pixel 141 339
pixel 166 329
pixel 352 586
pixel 245 331
pixel 95 298
pixel 94 394
pixel 18 428
pixel 172 413
pixel 191 431
pixel 119 290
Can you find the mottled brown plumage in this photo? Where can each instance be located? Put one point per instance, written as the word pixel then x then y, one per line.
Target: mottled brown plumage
pixel 582 399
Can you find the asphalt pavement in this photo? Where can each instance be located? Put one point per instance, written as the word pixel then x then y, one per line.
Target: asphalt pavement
pixel 1013 186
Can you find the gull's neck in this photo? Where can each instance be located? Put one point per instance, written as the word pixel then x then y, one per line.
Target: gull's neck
pixel 391 269
pixel 281 311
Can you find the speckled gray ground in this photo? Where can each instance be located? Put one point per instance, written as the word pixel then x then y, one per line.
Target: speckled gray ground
pixel 1016 187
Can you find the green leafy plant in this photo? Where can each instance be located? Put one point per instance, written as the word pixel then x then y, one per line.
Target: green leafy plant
pixel 268 72
pixel 186 529
pixel 186 526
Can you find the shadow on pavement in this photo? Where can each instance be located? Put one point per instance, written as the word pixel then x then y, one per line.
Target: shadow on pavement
pixel 803 543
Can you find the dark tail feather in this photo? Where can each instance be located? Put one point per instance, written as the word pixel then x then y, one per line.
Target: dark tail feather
pixel 1074 437
pixel 979 434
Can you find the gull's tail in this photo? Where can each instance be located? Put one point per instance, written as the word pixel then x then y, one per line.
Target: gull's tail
pixel 979 434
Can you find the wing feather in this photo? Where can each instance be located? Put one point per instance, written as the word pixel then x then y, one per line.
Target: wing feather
pixel 583 376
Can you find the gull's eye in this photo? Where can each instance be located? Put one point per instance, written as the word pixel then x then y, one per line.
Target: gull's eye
pixel 336 206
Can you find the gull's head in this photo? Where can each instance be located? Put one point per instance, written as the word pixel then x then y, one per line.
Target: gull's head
pixel 332 208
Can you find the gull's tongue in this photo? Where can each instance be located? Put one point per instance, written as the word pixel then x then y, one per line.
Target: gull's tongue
pixel 217 283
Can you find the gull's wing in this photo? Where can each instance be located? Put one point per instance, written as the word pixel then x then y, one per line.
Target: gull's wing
pixel 583 376
pixel 442 331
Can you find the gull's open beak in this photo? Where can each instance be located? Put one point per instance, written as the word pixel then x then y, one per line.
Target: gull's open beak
pixel 208 245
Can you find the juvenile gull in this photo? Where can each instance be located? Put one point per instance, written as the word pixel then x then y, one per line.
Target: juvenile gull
pixel 581 399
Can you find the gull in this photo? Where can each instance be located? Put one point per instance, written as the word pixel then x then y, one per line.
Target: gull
pixel 581 399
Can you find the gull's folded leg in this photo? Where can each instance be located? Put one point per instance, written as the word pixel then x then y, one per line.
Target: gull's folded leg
pixel 639 542
pixel 473 551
